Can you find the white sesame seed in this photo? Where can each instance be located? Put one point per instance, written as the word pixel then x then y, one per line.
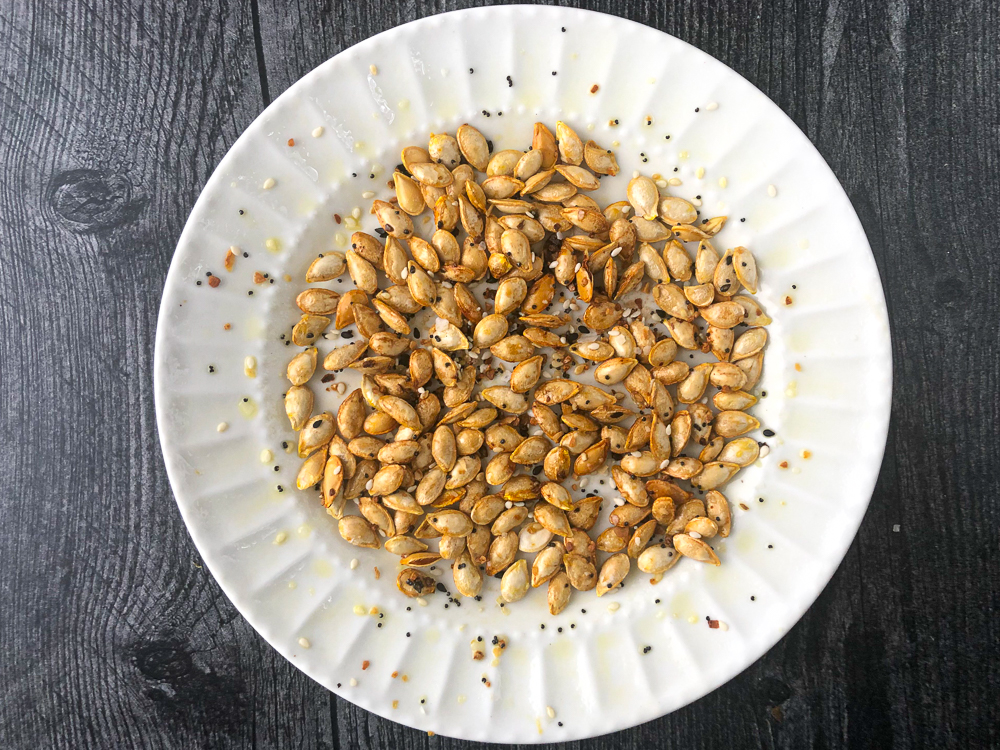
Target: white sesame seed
pixel 896 527
pixel 661 183
pixel 764 450
pixel 353 682
pixel 373 70
pixel 635 454
pixel 508 505
pixel 421 601
pixel 403 274
pixel 359 610
pixel 614 607
pixel 354 565
pixel 317 132
pixel 336 469
pixel 553 264
pixel 615 252
pixel 222 427
pixel 368 194
pixel 266 456
pixel 674 181
pixel 772 190
pixel 723 182
pixel 635 174
pixel 550 711
pixel 269 183
pixel 712 106
pixel 694 535
pixel 281 537
pixel 578 267
pixel 700 172
pixel 304 642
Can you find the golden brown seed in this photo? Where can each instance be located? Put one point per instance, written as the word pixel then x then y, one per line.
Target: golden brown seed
pixel 515 582
pixel 531 451
pixel 450 522
pixel 302 366
pixel 404 545
pixel 592 458
pixel 552 518
pixel 733 423
pixel 556 391
pixel 679 263
pixel 600 160
pixel 557 464
pixel 513 349
pixel 315 433
pixel 705 263
pixel 557 495
pixel 613 539
pixel 415 584
pixel 723 314
pixel 510 294
pixel 671 300
pixel 506 399
pixel 613 572
pixel 558 594
pixel 628 514
pixel 663 510
pixel 502 552
pixel 358 531
pixel 714 474
pixel 311 472
pixel 640 538
pixel 542 140
pixel 309 328
pixel 317 301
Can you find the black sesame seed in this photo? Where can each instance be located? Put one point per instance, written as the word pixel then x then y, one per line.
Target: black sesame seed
pixel 211 368
pixel 471 71
pixel 198 282
pixel 770 546
pixel 241 213
pixel 743 219
pixel 753 598
pixel 249 292
pixel 647 649
pixel 317 424
pixel 768 433
pixel 510 82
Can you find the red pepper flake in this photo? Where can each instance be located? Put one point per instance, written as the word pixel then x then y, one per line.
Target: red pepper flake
pixel 227 326
pixel 230 259
pixel 788 300
pixel 783 465
pixel 394 675
pixel 336 218
pixel 259 278
pixel 798 367
pixel 365 664
pixel 594 88
pixel 291 141
pixel 214 281
pixel 744 506
pixel 378 574
pixel 713 624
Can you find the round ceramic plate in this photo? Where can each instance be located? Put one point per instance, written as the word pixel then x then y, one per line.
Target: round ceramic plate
pixel 319 150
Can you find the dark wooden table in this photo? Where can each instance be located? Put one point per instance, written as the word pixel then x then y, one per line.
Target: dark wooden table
pixel 113 117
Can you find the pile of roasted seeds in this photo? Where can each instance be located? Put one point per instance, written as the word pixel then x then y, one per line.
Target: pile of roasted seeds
pixel 466 436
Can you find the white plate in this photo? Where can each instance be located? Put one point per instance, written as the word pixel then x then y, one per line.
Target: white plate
pixel 593 674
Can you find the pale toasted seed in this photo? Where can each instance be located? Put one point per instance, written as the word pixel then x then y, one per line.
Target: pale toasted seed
pixel 506 399
pixel 327 267
pixel 657 559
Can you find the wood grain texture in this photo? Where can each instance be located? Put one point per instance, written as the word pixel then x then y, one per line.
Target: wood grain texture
pixel 115 114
